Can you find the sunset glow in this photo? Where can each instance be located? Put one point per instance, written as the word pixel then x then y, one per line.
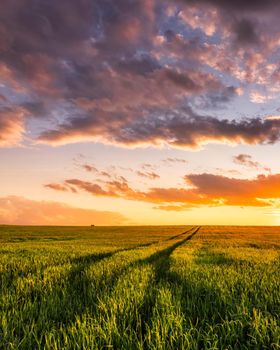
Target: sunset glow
pixel 139 112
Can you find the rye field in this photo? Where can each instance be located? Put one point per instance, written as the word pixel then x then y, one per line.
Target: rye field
pixel 150 287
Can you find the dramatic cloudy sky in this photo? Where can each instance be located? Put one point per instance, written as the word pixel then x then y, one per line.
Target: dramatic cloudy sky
pixel 139 111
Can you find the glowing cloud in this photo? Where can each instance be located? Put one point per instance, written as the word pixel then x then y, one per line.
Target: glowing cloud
pixel 203 189
pixel 120 82
pixel 22 211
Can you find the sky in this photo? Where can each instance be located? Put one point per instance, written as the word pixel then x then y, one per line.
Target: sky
pixel 139 112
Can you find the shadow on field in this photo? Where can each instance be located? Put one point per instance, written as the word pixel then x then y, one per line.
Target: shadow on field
pixel 160 256
pixel 78 293
pixel 161 263
pixel 203 306
pixel 201 302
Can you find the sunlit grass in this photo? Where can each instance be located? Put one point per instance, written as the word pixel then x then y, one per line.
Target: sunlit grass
pixel 139 288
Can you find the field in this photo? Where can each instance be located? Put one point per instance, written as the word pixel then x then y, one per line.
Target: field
pixel 176 287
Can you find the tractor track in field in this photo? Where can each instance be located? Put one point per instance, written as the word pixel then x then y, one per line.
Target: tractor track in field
pixel 161 263
pixel 88 259
pixel 78 283
pixel 181 234
pixel 92 258
pixel 156 258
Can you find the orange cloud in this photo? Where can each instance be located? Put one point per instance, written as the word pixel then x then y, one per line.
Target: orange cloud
pixel 204 189
pixel 22 211
pixel 11 126
pixel 231 191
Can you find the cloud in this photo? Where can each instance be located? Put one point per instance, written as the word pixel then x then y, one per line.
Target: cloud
pixel 240 6
pixel 172 161
pixel 148 166
pixel 232 191
pixel 109 173
pixel 181 207
pixel 177 128
pixel 201 189
pixel 89 168
pixel 199 18
pixel 11 126
pixel 247 161
pixel 22 211
pixel 247 28
pixel 57 187
pixel 273 117
pixel 91 71
pixel 105 174
pixel 149 175
pixel 258 97
pixel 245 32
pixel 89 187
pixel 92 169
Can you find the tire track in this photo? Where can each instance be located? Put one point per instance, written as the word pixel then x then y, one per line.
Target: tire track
pixel 157 259
pixel 181 234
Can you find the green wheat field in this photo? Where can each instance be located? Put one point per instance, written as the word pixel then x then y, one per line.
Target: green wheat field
pixel 149 287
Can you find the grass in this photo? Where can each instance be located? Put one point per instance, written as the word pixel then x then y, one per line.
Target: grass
pixel 139 287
